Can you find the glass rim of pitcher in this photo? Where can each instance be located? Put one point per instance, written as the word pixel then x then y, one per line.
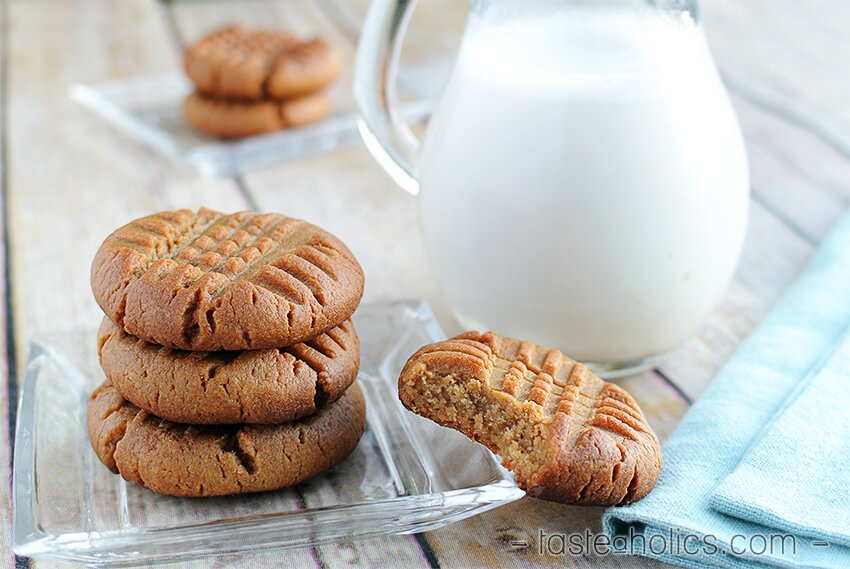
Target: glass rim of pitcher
pixel 676 7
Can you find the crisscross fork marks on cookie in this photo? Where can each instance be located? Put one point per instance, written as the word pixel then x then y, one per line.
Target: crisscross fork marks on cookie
pixel 206 281
pixel 615 416
pixel 568 435
pixel 297 282
pixel 199 252
pixel 558 384
pixel 256 65
pixel 341 334
pixel 235 61
pixel 293 238
pixel 158 228
pixel 237 258
pixel 216 246
pixel 157 242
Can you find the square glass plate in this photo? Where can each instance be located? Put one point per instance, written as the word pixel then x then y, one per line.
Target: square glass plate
pixel 148 109
pixel 407 475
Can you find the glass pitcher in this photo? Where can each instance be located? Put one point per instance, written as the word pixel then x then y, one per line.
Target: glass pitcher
pixel 583 178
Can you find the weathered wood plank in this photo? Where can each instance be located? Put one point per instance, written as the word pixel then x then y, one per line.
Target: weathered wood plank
pixel 528 533
pixel 72 179
pixel 788 56
pixel 759 46
pixel 8 385
pixel 794 173
pixel 303 17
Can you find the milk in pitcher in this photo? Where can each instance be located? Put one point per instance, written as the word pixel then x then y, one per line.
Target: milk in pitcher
pixel 583 181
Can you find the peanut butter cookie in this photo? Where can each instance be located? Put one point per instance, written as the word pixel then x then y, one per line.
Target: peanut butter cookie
pixel 239 63
pixel 567 435
pixel 208 281
pixel 250 386
pixel 188 460
pixel 223 118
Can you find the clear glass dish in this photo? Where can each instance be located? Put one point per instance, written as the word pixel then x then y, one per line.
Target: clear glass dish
pixel 148 109
pixel 407 475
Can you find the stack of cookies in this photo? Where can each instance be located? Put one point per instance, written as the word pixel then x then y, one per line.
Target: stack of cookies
pixel 229 352
pixel 257 81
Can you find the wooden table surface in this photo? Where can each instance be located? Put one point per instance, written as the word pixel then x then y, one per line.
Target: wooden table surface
pixel 68 179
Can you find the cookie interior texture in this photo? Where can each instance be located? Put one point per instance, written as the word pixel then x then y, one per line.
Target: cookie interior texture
pixel 195 461
pixel 567 435
pixel 250 386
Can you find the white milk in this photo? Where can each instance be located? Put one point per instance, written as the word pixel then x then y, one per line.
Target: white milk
pixel 584 184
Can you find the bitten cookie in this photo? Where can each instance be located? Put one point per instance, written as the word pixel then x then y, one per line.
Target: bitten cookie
pixel 188 460
pixel 251 386
pixel 237 119
pixel 237 62
pixel 209 281
pixel 567 435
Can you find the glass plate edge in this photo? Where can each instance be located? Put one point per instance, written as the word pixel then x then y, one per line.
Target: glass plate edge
pixel 226 158
pixel 126 548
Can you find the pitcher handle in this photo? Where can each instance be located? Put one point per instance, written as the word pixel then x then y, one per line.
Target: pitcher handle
pixel 387 137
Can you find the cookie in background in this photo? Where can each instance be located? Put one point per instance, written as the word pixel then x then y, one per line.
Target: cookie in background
pixel 250 81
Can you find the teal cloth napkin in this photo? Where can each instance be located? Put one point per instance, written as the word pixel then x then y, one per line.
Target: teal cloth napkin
pixel 796 477
pixel 758 472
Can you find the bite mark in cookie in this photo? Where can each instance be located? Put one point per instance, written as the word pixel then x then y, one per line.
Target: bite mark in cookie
pixel 567 435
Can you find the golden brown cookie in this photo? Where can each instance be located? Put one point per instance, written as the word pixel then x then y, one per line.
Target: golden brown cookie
pixel 188 460
pixel 304 68
pixel 567 435
pixel 237 62
pixel 237 119
pixel 209 281
pixel 218 388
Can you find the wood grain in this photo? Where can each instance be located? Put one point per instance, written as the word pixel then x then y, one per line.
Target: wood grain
pixel 789 59
pixel 8 386
pixel 72 179
pixel 796 175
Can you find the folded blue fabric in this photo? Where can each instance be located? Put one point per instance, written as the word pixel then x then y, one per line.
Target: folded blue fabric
pixel 796 477
pixel 756 430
